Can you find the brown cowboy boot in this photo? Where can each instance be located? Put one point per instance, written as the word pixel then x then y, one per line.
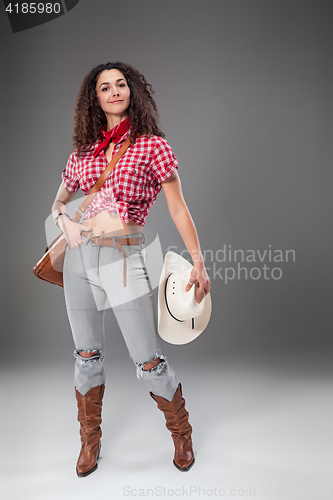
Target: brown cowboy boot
pixel 176 417
pixel 90 418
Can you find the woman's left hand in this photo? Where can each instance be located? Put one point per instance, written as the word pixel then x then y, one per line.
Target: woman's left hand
pixel 200 279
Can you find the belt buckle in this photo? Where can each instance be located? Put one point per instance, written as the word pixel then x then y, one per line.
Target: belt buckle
pixel 92 240
pixel 85 239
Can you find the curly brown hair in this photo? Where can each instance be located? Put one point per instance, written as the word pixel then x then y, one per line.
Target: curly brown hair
pixel 89 117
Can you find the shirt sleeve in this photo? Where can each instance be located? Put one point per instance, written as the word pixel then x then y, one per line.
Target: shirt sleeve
pixel 164 161
pixel 69 175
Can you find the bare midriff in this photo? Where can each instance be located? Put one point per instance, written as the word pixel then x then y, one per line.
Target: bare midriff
pixel 113 225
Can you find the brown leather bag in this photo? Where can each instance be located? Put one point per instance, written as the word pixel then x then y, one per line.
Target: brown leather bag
pixel 50 266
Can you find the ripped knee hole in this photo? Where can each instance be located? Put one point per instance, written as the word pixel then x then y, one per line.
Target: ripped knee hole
pixel 155 365
pixel 88 354
pixel 151 364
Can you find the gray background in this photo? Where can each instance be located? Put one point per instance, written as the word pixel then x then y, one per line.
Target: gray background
pixel 244 91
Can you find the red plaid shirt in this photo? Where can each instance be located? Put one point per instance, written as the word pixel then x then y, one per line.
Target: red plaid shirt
pixel 134 183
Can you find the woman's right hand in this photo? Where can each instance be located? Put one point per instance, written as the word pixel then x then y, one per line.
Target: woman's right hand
pixel 72 231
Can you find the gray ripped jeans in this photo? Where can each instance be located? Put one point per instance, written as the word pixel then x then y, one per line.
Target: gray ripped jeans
pixel 93 282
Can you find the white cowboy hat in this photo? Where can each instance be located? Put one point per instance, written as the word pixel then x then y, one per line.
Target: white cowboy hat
pixel 180 318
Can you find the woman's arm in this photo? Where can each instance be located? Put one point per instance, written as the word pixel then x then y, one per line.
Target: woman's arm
pixel 72 230
pixel 63 197
pixel 183 221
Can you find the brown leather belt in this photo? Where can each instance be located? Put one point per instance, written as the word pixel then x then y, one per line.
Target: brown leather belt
pixel 109 241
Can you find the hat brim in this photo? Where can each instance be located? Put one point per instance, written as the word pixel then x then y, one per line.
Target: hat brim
pixel 169 329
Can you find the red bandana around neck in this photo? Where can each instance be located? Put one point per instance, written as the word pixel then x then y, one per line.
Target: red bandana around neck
pixel 114 135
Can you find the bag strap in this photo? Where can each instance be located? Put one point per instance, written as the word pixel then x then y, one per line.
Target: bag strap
pixel 100 181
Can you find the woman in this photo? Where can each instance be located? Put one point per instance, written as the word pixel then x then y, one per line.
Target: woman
pixel 114 103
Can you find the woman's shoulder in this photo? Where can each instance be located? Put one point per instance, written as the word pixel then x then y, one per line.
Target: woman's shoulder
pixel 155 142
